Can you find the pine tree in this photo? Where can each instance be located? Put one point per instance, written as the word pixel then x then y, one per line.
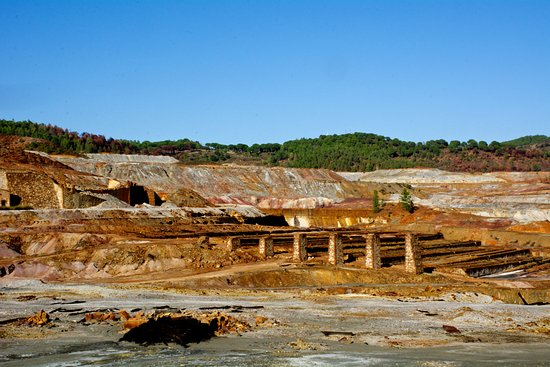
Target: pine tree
pixel 406 200
pixel 376 205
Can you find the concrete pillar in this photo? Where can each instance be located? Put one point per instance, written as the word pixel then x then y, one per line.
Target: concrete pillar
pixel 299 254
pixel 335 250
pixel 266 246
pixel 413 254
pixel 233 243
pixel 372 251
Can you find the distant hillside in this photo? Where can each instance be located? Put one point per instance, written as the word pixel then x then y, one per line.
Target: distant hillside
pixel 54 139
pixel 347 152
pixel 539 140
pixel 367 152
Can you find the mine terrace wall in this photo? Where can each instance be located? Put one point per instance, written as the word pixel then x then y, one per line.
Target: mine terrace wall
pixel 35 189
pixel 4 192
pixel 41 191
pixel 4 198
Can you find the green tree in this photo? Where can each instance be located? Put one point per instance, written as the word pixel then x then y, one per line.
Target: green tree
pixel 406 200
pixel 472 144
pixel 483 145
pixel 376 205
pixel 454 146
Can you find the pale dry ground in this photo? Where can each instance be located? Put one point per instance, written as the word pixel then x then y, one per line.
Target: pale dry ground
pixel 301 325
pixel 405 321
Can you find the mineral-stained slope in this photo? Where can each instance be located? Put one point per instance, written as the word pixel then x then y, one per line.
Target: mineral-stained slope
pixel 261 186
pixel 90 243
pixel 520 196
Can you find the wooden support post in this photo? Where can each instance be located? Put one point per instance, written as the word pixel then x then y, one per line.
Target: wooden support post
pixel 300 241
pixel 413 254
pixel 266 246
pixel 372 252
pixel 335 250
pixel 233 243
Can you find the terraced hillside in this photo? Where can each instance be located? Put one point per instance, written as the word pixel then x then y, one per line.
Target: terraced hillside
pixel 519 197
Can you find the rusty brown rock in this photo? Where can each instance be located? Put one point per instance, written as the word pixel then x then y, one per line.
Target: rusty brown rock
pixel 26 298
pixel 110 316
pixel 261 320
pixel 451 329
pixel 101 317
pixel 93 316
pixel 135 321
pixel 123 315
pixel 41 318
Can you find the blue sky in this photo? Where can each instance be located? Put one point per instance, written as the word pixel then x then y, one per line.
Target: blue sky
pixel 270 71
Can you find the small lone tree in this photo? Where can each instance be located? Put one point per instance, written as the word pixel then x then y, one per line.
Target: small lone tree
pixel 406 200
pixel 376 204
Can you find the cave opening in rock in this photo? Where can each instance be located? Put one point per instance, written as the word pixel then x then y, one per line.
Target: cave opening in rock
pixel 15 200
pixel 138 195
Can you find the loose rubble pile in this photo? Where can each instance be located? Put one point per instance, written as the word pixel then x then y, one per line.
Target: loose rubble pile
pixel 40 319
pixel 181 327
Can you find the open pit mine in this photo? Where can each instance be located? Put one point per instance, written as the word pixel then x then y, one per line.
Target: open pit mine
pixel 109 242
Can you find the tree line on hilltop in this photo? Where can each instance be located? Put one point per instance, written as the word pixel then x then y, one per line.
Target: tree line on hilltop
pixel 346 152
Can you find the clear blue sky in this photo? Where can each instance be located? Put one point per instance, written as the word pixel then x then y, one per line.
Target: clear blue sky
pixel 269 71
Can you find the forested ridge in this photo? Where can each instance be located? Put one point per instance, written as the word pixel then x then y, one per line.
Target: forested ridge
pixel 346 152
